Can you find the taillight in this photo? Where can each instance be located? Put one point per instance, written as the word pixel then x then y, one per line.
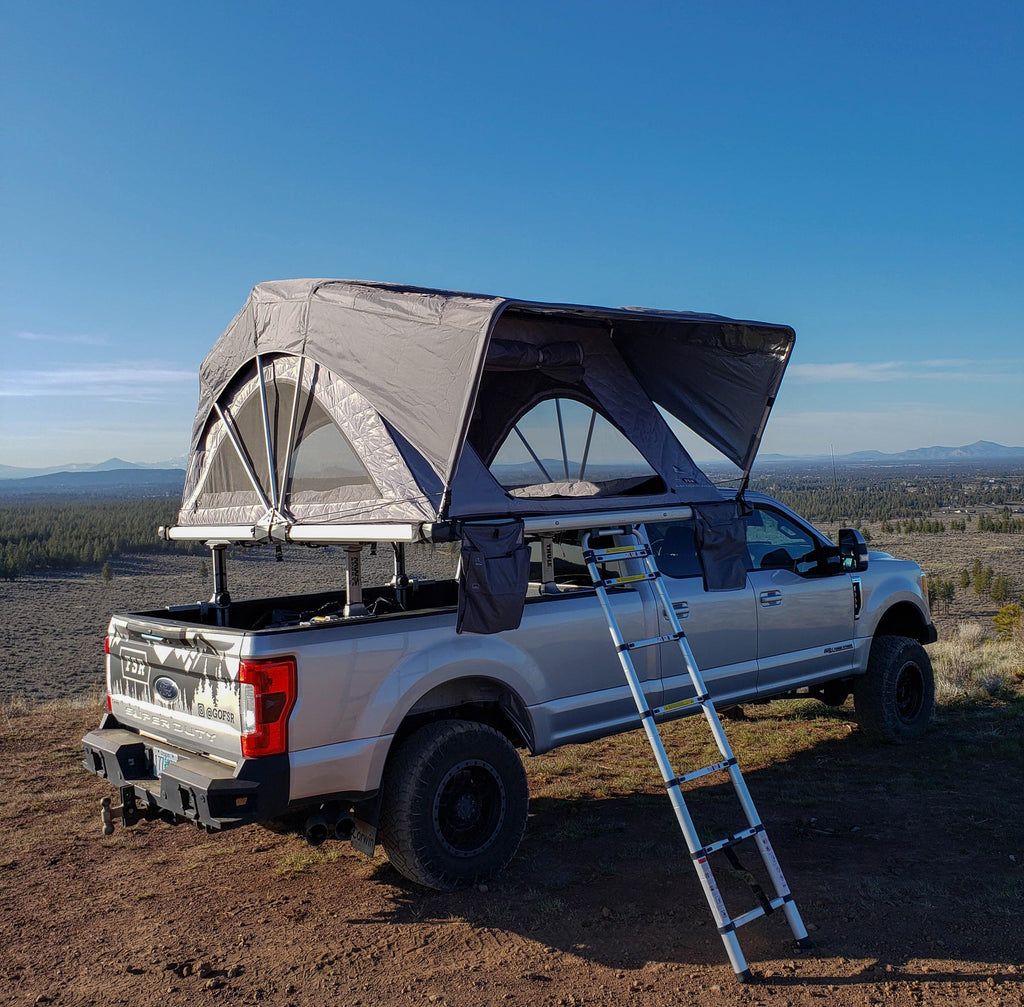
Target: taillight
pixel 266 700
pixel 106 651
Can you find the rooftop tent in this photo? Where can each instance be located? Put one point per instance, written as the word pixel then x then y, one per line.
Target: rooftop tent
pixel 330 402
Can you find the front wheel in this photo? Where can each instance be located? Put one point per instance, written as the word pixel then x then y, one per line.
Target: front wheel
pixel 895 698
pixel 455 804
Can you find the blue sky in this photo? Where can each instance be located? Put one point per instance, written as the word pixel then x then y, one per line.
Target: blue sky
pixel 853 170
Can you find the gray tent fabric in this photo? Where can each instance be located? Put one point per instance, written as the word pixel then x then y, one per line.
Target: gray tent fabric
pixel 344 463
pixel 721 380
pixel 413 353
pixel 349 401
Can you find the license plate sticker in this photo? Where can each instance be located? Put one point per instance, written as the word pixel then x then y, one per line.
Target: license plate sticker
pixel 162 759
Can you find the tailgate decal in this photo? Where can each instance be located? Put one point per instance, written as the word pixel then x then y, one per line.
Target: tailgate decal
pixel 170 684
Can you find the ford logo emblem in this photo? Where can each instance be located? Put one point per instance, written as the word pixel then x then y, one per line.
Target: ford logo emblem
pixel 166 689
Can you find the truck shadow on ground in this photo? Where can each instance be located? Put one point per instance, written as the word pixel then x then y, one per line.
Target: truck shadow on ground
pixel 904 863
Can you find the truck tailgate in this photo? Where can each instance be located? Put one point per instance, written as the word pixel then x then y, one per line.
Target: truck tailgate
pixel 177 684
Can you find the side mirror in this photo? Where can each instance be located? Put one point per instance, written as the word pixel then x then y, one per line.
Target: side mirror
pixel 853 550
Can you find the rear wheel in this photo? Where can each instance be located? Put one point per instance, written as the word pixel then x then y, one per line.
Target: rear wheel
pixel 895 698
pixel 455 804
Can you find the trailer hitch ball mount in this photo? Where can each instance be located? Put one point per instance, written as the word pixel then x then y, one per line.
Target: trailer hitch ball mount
pixel 128 810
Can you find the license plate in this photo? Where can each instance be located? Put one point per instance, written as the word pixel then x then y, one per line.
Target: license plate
pixel 162 759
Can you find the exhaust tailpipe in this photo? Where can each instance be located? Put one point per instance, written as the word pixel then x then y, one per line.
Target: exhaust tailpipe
pixel 343 827
pixel 316 830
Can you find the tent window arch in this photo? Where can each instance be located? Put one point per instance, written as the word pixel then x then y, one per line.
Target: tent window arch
pixel 255 428
pixel 565 447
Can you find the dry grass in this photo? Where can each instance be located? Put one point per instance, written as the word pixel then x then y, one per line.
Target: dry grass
pixel 971 668
pixel 19 705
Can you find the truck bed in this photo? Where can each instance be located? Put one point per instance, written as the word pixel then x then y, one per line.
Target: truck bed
pixel 305 610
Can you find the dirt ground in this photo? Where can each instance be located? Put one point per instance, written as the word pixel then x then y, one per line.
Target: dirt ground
pixel 907 864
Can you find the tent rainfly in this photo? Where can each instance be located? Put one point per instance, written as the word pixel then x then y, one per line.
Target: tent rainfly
pixel 329 404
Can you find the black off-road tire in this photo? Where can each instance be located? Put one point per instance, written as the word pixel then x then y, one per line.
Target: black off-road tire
pixel 455 804
pixel 895 698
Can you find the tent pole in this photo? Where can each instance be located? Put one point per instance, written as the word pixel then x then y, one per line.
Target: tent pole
pixel 241 456
pixel 757 440
pixel 266 433
pixel 586 448
pixel 291 432
pixel 533 454
pixel 561 435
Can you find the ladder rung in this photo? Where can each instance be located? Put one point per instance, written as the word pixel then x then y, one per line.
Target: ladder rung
pixel 754 914
pixel 721 844
pixel 630 579
pixel 696 774
pixel 616 554
pixel 680 704
pixel 650 642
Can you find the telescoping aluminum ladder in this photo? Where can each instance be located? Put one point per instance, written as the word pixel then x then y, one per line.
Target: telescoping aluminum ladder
pixel 640 549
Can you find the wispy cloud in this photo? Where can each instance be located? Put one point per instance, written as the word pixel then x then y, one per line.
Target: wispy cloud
pixel 951 362
pixel 114 383
pixel 906 370
pixel 65 340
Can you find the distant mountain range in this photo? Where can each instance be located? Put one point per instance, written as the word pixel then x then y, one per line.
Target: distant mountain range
pixel 110 465
pixel 978 451
pixel 133 482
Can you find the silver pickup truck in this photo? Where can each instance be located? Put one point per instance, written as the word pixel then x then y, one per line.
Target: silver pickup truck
pixel 347 412
pixel 394 719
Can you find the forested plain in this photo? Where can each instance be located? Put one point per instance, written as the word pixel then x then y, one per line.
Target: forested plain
pixel 55 534
pixel 51 533
pixel 858 495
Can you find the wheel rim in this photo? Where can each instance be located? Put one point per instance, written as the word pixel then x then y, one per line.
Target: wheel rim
pixel 469 808
pixel 909 692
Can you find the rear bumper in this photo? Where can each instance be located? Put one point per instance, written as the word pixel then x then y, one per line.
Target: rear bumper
pixel 193 788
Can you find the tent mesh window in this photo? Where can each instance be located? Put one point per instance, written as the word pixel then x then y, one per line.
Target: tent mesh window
pixel 563 447
pixel 321 457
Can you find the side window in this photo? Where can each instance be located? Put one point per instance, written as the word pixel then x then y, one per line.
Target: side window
pixel 674 545
pixel 776 543
pixel 564 448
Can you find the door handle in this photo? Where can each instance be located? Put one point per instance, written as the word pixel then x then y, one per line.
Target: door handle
pixel 769 599
pixel 681 609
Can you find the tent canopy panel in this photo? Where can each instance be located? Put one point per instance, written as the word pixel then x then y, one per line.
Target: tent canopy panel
pixel 407 395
